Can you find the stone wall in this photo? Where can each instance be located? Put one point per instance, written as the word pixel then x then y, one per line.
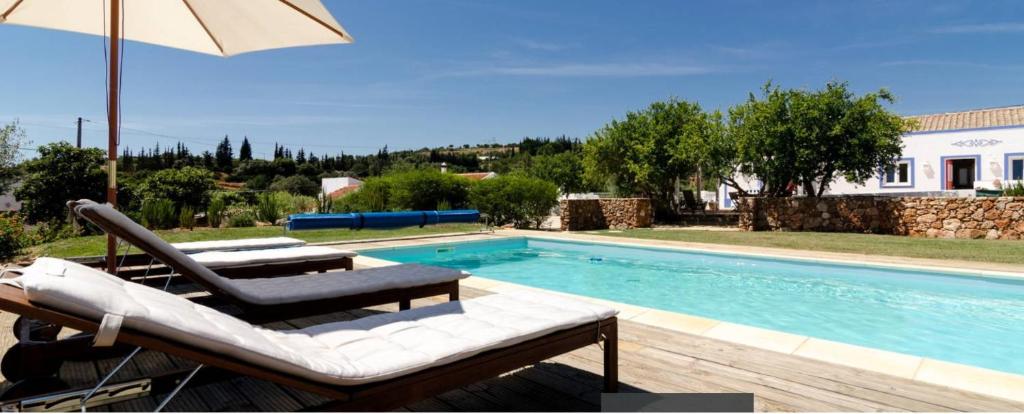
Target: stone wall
pixel 604 213
pixel 946 217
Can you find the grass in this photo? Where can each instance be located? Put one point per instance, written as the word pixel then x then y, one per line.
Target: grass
pixel 992 251
pixel 96 245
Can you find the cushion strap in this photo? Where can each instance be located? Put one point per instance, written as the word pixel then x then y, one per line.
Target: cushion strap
pixel 109 327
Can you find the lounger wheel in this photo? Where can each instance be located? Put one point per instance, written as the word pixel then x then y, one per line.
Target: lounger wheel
pixel 19 364
pixel 34 387
pixel 38 330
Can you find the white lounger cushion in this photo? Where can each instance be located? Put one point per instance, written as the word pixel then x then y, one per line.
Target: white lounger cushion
pixel 215 259
pixel 354 352
pixel 240 244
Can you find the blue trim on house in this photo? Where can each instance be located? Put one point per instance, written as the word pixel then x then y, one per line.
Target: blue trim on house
pixel 1007 170
pixel 881 176
pixel 943 131
pixel 942 167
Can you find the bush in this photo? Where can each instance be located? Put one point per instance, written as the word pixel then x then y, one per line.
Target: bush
pixel 1014 190
pixel 52 230
pixel 215 212
pixel 268 207
pixel 158 214
pixel 296 184
pixel 242 218
pixel 187 218
pixel 189 186
pixel 291 204
pixel 427 189
pixel 325 203
pixel 373 195
pixel 61 173
pixel 13 236
pixel 408 190
pixel 513 199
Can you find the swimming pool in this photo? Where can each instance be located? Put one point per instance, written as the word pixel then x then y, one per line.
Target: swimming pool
pixel 970 320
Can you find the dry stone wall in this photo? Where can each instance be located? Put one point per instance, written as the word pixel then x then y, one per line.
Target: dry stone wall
pixel 945 217
pixel 605 213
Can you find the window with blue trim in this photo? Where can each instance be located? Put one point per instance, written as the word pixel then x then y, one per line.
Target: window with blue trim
pixel 1016 166
pixel 898 173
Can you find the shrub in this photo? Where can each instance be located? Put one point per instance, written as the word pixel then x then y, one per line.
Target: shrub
pixel 61 173
pixel 296 184
pixel 373 195
pixel 187 218
pixel 52 230
pixel 13 236
pixel 325 203
pixel 427 189
pixel 189 186
pixel 513 199
pixel 158 213
pixel 1014 190
pixel 215 211
pixel 242 218
pixel 291 204
pixel 268 207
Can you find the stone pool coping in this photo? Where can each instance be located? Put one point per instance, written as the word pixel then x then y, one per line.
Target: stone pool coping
pixel 953 375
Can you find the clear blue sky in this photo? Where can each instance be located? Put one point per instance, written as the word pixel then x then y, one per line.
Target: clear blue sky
pixel 438 72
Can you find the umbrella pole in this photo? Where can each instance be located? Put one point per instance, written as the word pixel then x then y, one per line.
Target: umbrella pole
pixel 112 124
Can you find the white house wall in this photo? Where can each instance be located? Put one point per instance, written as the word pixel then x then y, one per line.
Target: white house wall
pixel 927 150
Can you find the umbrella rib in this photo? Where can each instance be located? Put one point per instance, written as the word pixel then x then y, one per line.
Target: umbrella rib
pixel 10 10
pixel 206 29
pixel 315 19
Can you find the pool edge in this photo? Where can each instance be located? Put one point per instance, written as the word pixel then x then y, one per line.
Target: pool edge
pixel 953 375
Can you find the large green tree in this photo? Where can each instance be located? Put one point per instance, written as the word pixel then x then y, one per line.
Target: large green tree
pixel 809 138
pixel 61 173
pixel 188 186
pixel 224 155
pixel 564 169
pixel 12 141
pixel 640 155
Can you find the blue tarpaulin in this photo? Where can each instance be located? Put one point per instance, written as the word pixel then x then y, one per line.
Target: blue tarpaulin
pixel 310 221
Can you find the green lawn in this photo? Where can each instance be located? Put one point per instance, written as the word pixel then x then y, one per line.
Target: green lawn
pixel 96 245
pixel 998 251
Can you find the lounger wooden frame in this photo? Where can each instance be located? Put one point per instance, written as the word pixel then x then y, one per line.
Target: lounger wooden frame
pixel 381 395
pixel 257 313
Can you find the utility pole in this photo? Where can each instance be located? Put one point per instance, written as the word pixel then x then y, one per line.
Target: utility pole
pixel 79 132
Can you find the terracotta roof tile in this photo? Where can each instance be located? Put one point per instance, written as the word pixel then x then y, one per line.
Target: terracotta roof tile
pixel 343 191
pixel 978 118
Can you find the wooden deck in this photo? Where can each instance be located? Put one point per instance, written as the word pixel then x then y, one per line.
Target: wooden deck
pixel 651 360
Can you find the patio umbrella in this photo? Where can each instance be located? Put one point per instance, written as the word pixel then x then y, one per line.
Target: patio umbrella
pixel 216 27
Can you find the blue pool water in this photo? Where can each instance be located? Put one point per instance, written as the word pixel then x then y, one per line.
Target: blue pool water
pixel 969 320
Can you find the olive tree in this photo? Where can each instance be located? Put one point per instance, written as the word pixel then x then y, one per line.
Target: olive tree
pixel 12 141
pixel 810 138
pixel 641 155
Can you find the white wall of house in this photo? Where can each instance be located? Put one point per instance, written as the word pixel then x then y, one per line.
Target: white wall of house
pixel 330 185
pixel 9 203
pixel 992 152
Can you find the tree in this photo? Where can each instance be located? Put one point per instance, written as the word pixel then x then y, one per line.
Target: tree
pixel 296 184
pixel 61 173
pixel 245 152
pixel 563 169
pixel 639 155
pixel 189 186
pixel 808 138
pixel 224 155
pixel 514 199
pixel 12 140
pixel 301 157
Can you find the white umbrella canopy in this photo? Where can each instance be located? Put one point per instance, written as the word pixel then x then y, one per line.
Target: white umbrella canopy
pixel 215 27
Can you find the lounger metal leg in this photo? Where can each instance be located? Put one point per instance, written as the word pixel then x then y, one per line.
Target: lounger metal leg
pixel 404 304
pixel 611 359
pixel 174 393
pixel 88 395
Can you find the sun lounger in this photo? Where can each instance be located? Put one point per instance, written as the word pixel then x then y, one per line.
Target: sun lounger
pixel 285 297
pixel 375 363
pixel 267 257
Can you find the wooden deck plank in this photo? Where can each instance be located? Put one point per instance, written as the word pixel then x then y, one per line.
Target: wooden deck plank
pixel 651 360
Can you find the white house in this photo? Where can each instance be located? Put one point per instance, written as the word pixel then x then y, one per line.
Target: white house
pixel 332 184
pixel 951 153
pixel 7 200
